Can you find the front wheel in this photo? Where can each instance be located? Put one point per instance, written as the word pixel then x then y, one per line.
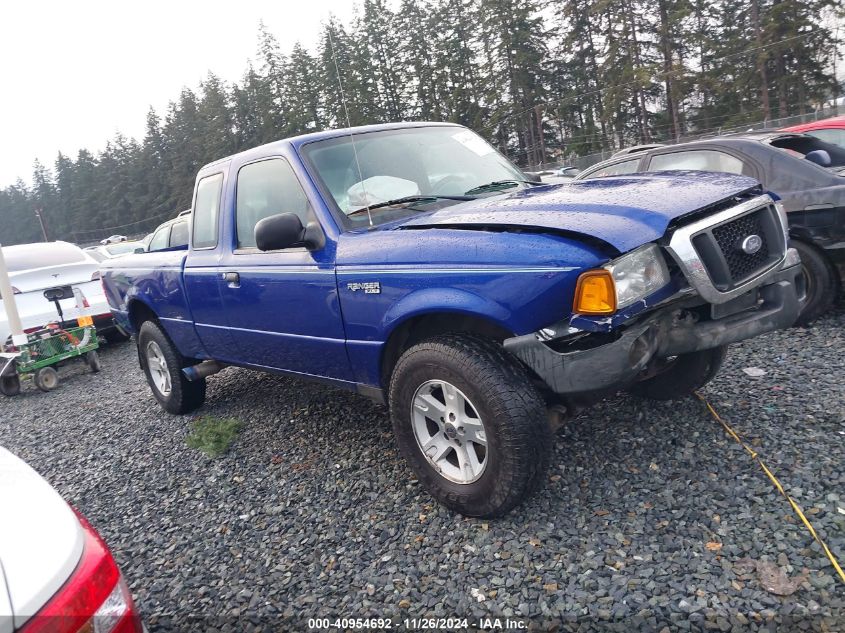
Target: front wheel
pixel 682 376
pixel 470 423
pixel 163 365
pixel 10 385
pixel 820 281
pixel 46 379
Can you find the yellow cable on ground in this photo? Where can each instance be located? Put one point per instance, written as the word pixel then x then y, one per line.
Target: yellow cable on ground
pixel 778 485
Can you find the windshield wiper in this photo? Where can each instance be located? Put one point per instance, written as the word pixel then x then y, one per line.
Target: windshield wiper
pixel 498 185
pixel 405 200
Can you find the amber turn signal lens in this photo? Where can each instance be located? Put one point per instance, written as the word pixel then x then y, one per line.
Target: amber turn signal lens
pixel 595 293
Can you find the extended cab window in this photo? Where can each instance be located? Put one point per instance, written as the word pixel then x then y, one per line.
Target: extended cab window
pixel 266 188
pixel 206 210
pixel 625 167
pixel 159 240
pixel 179 234
pixel 699 160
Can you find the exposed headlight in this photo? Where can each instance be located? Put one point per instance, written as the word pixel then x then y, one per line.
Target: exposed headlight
pixel 638 274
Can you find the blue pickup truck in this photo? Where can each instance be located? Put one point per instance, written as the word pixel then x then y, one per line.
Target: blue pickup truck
pixel 415 264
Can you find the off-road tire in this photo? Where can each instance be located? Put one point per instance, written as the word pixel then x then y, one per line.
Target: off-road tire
pixel 820 279
pixel 185 395
pixel 513 412
pixel 683 376
pixel 10 385
pixel 46 379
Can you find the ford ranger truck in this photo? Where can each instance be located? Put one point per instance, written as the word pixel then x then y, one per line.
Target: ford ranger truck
pixel 415 264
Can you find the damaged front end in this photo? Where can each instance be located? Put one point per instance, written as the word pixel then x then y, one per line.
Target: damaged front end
pixel 720 290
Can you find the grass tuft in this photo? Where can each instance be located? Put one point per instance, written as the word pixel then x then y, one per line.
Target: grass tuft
pixel 213 435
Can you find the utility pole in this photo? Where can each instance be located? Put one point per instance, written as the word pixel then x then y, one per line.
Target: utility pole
pixel 38 212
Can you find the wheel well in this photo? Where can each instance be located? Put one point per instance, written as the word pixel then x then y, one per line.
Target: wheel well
pixel 835 270
pixel 140 312
pixel 425 326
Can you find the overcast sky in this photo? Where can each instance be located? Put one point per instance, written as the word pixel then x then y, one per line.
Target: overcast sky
pixel 74 73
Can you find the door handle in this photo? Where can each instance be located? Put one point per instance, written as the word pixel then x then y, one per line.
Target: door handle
pixel 233 279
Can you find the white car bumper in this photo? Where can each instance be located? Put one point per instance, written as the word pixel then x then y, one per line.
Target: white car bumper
pixel 35 311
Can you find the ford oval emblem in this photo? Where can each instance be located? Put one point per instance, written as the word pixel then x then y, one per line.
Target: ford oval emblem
pixel 751 244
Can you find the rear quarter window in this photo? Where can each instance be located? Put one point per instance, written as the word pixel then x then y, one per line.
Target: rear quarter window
pixel 623 167
pixel 179 234
pixel 159 240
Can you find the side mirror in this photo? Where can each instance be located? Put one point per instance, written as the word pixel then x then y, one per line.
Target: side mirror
pixel 279 231
pixel 139 250
pixel 819 157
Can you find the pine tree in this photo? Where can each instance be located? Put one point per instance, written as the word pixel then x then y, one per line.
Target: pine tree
pixel 542 79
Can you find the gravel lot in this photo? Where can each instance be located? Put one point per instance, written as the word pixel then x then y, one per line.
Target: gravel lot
pixel 653 517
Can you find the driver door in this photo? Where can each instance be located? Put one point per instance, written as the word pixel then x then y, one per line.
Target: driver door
pixel 281 306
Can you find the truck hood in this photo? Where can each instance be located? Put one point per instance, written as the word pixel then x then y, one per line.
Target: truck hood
pixel 41 540
pixel 623 211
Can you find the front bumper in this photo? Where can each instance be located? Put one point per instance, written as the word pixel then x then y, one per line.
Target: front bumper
pixel 571 364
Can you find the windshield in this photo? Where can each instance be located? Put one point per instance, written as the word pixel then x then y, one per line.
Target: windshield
pixel 397 164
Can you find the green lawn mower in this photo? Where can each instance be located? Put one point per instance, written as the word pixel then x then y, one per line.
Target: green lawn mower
pixel 45 349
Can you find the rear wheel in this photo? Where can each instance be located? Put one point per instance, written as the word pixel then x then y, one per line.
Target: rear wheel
pixel 819 279
pixel 10 385
pixel 46 379
pixel 682 376
pixel 163 366
pixel 470 423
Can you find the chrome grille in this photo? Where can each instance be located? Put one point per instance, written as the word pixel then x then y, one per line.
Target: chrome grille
pixel 730 236
pixel 710 254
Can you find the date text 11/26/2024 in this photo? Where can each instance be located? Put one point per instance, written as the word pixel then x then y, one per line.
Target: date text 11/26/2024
pixel 416 624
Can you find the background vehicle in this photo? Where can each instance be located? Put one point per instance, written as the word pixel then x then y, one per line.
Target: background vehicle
pixel 830 130
pixel 56 573
pixel 561 174
pixel 789 165
pixel 113 239
pixel 170 234
pixel 35 267
pixel 419 267
pixel 117 249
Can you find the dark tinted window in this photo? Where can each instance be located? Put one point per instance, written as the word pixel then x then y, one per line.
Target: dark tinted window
pixel 206 210
pixel 29 256
pixel 266 188
pixel 179 234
